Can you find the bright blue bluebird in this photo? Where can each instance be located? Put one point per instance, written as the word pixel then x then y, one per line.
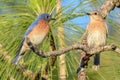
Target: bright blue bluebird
pixel 36 32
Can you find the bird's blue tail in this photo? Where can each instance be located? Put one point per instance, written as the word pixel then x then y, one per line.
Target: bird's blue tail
pixel 16 59
pixel 19 54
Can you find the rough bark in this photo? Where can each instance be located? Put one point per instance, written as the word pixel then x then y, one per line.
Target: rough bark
pixel 108 6
pixel 82 75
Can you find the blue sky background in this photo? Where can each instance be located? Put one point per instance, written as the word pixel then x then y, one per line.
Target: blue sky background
pixel 81 21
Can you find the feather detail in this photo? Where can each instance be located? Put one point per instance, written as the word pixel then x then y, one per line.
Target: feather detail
pixel 97 31
pixel 39 32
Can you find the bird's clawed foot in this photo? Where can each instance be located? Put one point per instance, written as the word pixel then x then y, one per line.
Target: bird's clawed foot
pixel 95 67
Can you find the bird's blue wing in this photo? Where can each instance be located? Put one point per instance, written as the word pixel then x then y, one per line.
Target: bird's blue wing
pixel 30 28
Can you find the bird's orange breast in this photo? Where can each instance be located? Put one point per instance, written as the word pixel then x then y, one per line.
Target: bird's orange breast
pixel 39 32
pixel 41 28
pixel 97 26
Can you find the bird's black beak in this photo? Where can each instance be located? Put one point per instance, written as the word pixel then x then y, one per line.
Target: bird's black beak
pixel 53 19
pixel 88 13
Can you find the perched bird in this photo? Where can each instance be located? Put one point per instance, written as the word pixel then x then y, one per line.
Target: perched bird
pixel 95 36
pixel 36 32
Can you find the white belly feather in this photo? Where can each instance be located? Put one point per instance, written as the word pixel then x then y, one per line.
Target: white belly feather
pixel 37 39
pixel 96 39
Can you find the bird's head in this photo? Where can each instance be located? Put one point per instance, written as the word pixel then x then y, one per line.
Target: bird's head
pixel 95 15
pixel 45 16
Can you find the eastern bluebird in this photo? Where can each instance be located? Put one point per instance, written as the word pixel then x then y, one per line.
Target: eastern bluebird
pixel 95 35
pixel 36 32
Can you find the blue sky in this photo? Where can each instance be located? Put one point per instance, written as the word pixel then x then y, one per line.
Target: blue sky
pixel 81 21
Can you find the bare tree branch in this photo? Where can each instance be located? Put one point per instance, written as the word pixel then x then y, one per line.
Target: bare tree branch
pixel 72 47
pixel 53 53
pixel 108 6
pixel 104 11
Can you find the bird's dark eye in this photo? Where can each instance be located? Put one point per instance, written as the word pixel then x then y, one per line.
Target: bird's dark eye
pixel 47 17
pixel 95 13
